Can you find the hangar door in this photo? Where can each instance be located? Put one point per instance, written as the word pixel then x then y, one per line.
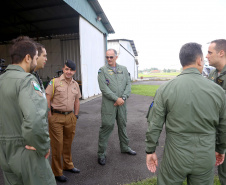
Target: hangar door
pixel 92 49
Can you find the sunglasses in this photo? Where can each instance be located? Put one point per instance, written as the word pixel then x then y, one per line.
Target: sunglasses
pixel 111 57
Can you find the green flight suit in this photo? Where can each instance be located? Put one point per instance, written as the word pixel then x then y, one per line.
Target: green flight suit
pixel 193 110
pixel 221 80
pixel 113 85
pixel 23 121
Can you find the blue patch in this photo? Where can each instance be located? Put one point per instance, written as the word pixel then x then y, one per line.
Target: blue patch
pixel 151 105
pixel 108 82
pixel 99 71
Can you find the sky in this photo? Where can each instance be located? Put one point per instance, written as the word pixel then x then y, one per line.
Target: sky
pixel 159 28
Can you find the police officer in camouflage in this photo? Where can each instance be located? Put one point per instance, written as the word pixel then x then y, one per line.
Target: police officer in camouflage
pixel 24 137
pixel 217 58
pixel 115 85
pixel 193 109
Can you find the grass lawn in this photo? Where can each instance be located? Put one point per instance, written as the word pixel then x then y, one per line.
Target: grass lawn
pixel 145 90
pixel 153 181
pixel 159 74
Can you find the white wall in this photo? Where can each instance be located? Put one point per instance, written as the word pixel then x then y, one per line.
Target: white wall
pixel 127 60
pixel 92 48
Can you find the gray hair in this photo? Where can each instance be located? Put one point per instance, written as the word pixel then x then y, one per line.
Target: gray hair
pixel 113 50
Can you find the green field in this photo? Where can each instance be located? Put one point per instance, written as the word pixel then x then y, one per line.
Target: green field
pixel 145 90
pixel 159 74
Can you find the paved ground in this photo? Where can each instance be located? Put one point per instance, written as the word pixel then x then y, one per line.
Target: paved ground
pixel 120 168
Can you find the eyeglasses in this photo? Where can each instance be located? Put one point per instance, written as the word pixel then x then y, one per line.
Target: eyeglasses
pixel 111 57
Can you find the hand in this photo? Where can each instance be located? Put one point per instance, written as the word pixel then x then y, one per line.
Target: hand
pixel 119 102
pixel 49 114
pixel 30 147
pixel 47 155
pixel 152 162
pixel 219 158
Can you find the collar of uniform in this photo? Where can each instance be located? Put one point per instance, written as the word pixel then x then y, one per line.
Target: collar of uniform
pixel 35 73
pixel 223 70
pixel 62 78
pixel 111 67
pixel 15 67
pixel 190 70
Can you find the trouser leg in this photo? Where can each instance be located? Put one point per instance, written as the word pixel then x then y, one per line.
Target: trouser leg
pixel 206 178
pixel 11 179
pixel 56 123
pixel 26 166
pixel 69 133
pixel 222 173
pixel 121 118
pixel 106 129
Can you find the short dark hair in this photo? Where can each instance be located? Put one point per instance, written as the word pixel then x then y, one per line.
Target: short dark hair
pixel 220 45
pixel 21 46
pixel 189 53
pixel 39 48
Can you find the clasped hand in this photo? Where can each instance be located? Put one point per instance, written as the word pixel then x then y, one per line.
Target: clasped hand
pixel 119 102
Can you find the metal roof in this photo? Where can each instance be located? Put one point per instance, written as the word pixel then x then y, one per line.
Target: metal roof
pixel 42 18
pixel 99 11
pixel 131 42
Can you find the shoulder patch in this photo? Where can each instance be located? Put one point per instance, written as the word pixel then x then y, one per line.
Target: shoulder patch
pixel 51 82
pixel 37 88
pixel 99 71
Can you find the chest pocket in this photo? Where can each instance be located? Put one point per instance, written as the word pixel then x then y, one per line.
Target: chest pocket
pixel 120 77
pixel 74 93
pixel 61 91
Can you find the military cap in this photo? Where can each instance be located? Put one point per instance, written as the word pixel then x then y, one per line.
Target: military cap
pixel 70 64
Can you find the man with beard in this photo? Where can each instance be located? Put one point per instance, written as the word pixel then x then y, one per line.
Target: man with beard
pixel 41 61
pixel 24 137
pixel 63 95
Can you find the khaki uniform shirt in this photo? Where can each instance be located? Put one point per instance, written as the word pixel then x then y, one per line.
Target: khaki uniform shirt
pixel 64 94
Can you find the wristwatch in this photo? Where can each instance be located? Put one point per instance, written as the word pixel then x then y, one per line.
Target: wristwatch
pixel 77 116
pixel 124 98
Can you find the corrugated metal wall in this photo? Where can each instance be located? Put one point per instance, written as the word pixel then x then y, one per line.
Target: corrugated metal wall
pixel 70 50
pixel 92 48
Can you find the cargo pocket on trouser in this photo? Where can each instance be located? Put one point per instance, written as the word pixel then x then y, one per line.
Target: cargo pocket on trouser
pixel 10 178
pixel 36 170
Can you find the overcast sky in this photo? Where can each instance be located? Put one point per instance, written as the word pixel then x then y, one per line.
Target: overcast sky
pixel 160 27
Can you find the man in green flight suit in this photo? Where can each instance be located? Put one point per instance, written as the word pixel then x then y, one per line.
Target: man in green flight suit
pixel 24 137
pixel 217 58
pixel 115 85
pixel 193 109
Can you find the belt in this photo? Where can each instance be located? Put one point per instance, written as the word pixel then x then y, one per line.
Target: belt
pixel 61 112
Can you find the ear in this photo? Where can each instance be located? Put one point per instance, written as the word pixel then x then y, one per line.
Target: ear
pixel 199 61
pixel 27 58
pixel 222 53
